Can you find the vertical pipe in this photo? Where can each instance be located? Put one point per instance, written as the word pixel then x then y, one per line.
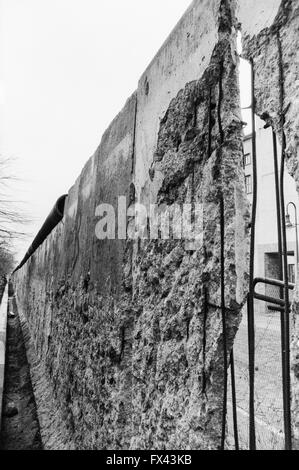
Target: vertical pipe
pixel 277 193
pixel 280 268
pixel 288 430
pixel 234 400
pixel 288 433
pixel 225 362
pixel 250 302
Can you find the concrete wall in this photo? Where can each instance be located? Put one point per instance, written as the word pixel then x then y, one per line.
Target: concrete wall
pixel 70 294
pixel 128 335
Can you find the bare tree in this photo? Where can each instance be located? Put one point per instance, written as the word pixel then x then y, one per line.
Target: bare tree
pixel 7 261
pixel 11 217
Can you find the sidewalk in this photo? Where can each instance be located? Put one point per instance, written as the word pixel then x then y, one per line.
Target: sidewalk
pixel 268 383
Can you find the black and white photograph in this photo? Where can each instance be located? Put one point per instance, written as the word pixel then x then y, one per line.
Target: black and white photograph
pixel 149 213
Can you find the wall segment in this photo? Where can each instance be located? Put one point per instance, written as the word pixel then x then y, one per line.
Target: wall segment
pixel 129 334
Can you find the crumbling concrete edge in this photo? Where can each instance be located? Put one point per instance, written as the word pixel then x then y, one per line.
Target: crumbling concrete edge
pixel 3 326
pixel 54 433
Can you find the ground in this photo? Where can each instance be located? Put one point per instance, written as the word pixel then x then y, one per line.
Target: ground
pixel 20 426
pixel 268 383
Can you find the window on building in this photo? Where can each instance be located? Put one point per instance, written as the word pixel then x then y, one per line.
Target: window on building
pixel 247 159
pixel 291 273
pixel 248 183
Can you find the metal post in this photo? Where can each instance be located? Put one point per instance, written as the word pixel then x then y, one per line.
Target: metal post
pixel 281 291
pixel 296 233
pixel 234 399
pixel 288 426
pixel 288 436
pixel 250 302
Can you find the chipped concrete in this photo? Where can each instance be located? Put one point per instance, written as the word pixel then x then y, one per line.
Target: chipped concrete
pixel 255 15
pixel 129 334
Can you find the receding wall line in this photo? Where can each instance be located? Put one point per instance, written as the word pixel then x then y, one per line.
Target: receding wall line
pixel 120 376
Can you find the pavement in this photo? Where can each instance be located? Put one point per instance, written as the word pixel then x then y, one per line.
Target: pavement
pixel 268 383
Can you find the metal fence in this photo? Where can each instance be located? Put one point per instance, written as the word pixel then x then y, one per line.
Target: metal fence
pixel 268 393
pixel 258 410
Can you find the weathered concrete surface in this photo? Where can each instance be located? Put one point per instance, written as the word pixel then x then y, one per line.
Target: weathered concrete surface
pixel 182 58
pixel 128 335
pixel 274 48
pixel 178 359
pixel 53 429
pixel 69 293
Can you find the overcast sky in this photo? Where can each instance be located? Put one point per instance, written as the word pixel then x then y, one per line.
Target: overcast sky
pixel 67 67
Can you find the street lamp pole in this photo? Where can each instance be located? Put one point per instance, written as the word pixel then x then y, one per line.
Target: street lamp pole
pixel 289 224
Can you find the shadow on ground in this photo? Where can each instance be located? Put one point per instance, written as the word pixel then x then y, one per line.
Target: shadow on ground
pixel 20 427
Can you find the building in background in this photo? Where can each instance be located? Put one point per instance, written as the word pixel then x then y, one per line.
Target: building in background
pixel 266 248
